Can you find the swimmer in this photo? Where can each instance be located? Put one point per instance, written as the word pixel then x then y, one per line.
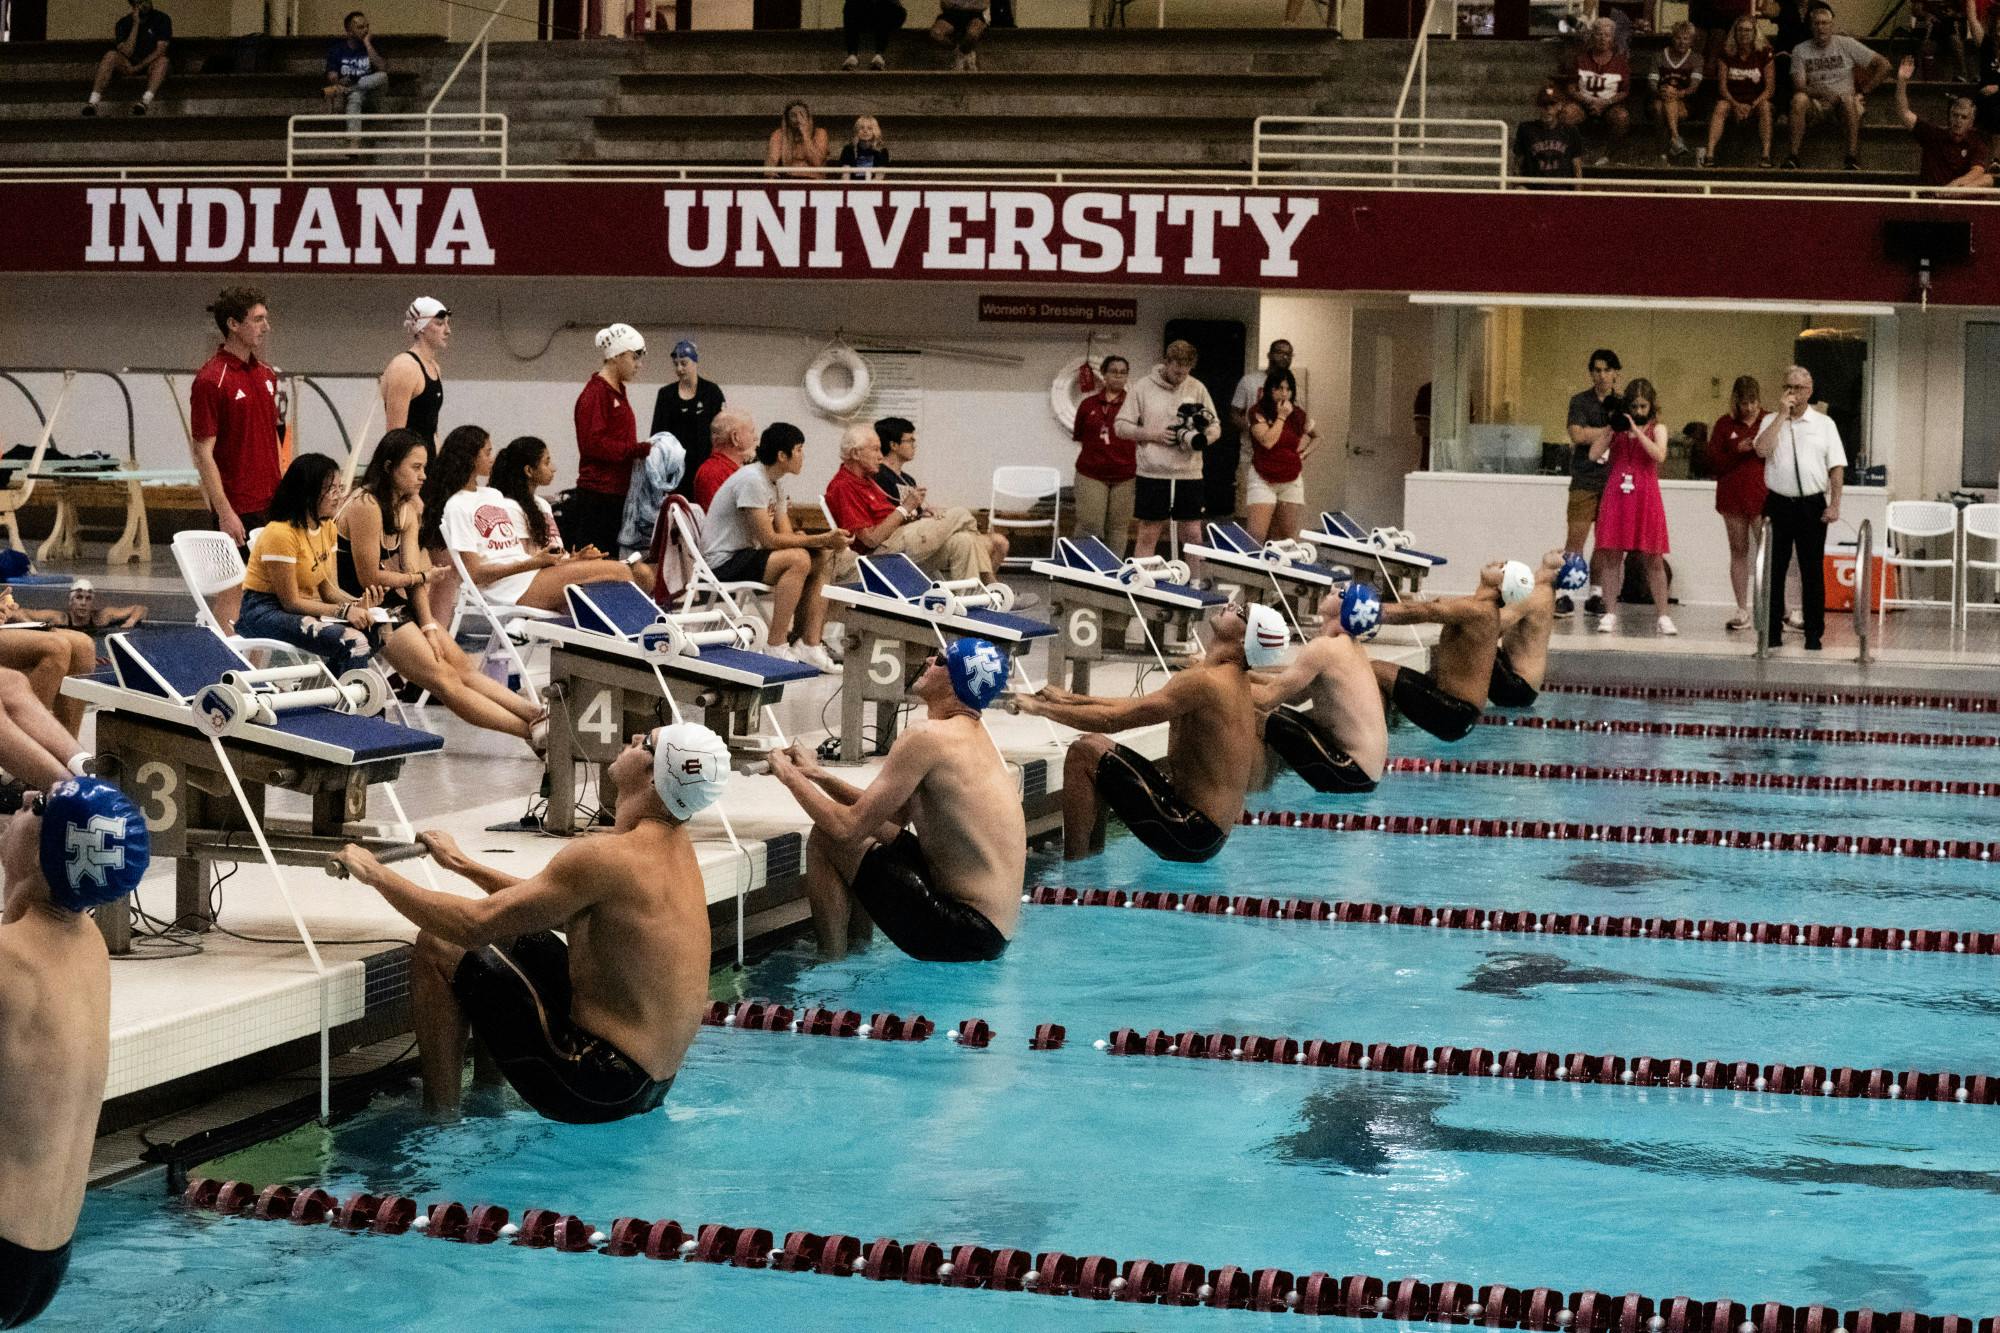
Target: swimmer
pixel 1342 746
pixel 87 615
pixel 934 851
pixel 412 384
pixel 46 658
pixel 1447 700
pixel 84 845
pixel 593 1030
pixel 1212 747
pixel 1522 662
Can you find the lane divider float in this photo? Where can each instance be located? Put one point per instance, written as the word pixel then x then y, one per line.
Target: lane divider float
pixel 1691 777
pixel 974 1267
pixel 1872 698
pixel 768 1016
pixel 1728 731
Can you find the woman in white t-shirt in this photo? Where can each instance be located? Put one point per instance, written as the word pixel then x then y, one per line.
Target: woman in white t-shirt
pixel 492 535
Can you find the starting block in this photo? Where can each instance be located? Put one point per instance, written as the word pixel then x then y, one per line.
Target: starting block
pixel 896 616
pixel 1277 571
pixel 1382 551
pixel 171 694
pixel 602 685
pixel 1094 596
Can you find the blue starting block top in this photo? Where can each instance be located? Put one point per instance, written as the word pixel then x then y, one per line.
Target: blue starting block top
pixel 896 577
pixel 1235 539
pixel 1091 555
pixel 1345 526
pixel 622 610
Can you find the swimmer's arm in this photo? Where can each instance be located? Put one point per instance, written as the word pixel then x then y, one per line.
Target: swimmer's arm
pixel 1445 611
pixel 1085 712
pixel 542 902
pixel 1269 689
pixel 444 850
pixel 401 383
pixel 885 801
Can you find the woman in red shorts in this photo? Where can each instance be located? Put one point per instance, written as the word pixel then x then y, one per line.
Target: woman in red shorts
pixel 1739 484
pixel 1631 516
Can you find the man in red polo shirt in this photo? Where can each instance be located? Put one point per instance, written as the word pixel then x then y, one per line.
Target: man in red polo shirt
pixel 947 546
pixel 608 443
pixel 732 439
pixel 233 417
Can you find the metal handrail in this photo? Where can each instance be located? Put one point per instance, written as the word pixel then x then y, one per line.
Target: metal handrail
pixel 1760 587
pixel 1864 558
pixel 479 44
pixel 1419 70
pixel 318 144
pixel 1355 147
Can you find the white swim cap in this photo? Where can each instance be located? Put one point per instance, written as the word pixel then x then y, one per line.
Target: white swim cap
pixel 1265 635
pixel 614 339
pixel 421 312
pixel 690 766
pixel 1516 582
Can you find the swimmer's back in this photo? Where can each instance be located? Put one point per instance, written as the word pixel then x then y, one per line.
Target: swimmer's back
pixel 968 817
pixel 55 1018
pixel 1212 747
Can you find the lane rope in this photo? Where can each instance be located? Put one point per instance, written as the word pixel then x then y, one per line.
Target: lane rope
pixel 1691 777
pixel 1870 698
pixel 1725 731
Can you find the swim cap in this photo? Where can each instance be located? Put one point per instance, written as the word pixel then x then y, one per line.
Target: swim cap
pixel 1516 582
pixel 94 843
pixel 686 348
pixel 676 455
pixel 1574 574
pixel 978 671
pixel 616 339
pixel 13 564
pixel 690 766
pixel 421 312
pixel 1265 635
pixel 1361 611
pixel 81 585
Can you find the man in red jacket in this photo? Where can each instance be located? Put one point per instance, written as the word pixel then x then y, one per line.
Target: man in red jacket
pixel 608 443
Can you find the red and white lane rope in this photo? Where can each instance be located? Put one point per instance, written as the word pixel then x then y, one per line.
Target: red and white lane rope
pixel 1703 930
pixel 1950 703
pixel 1729 732
pixel 1691 777
pixel 1762 840
pixel 974 1267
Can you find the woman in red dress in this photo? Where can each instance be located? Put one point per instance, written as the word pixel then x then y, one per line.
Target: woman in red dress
pixel 1632 516
pixel 1739 484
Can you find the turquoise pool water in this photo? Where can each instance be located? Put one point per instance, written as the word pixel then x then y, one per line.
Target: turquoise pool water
pixel 1666 1191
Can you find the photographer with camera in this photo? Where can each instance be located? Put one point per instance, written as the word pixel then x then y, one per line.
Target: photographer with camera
pixel 1172 419
pixel 1588 430
pixel 1631 516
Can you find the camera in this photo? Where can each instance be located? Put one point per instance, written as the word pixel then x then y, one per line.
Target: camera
pixel 1190 431
pixel 1618 412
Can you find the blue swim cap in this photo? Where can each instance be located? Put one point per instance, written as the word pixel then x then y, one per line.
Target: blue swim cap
pixel 13 564
pixel 1361 610
pixel 978 671
pixel 94 843
pixel 1575 573
pixel 686 348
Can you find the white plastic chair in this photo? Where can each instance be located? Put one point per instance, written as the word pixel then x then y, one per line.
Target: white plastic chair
pixel 1983 522
pixel 1914 520
pixel 702 582
pixel 209 564
pixel 1032 484
pixel 498 616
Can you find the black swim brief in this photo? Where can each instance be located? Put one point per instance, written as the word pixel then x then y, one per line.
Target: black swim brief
pixel 1508 689
pixel 893 882
pixel 1158 816
pixel 1307 747
pixel 28 1281
pixel 1424 702
pixel 518 999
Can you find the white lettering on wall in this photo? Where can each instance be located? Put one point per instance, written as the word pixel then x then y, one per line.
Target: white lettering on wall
pixel 264 226
pixel 1081 214
pixel 461 229
pixel 1012 236
pixel 203 246
pixel 948 229
pixel 380 223
pixel 883 247
pixel 1145 210
pixel 100 250
pixel 1201 212
pixel 680 204
pixel 1279 239
pixel 158 214
pixel 773 222
pixel 316 237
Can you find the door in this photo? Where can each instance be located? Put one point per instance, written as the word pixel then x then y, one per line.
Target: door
pixel 1392 362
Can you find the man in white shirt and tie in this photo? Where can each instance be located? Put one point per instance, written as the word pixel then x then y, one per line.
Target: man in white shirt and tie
pixel 1804 465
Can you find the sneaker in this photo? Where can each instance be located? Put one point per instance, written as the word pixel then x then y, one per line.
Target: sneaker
pixel 89 109
pixel 1812 645
pixel 1791 162
pixel 1565 606
pixel 1762 162
pixel 1595 605
pixel 878 62
pixel 1677 148
pixel 1603 160
pixel 1702 159
pixel 851 63
pixel 1608 624
pixel 1027 601
pixel 1851 163
pixel 139 108
pixel 538 737
pixel 972 61
pixel 1741 620
pixel 1795 620
pixel 813 655
pixel 1667 628
pixel 961 62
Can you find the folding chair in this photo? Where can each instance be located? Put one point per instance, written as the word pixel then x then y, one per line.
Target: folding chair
pixel 497 615
pixel 1034 485
pixel 702 583
pixel 209 563
pixel 1981 521
pixel 1915 520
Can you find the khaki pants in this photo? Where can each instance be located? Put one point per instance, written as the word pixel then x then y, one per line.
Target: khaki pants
pixel 1104 509
pixel 948 546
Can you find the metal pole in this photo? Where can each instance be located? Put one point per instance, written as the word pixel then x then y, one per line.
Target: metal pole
pixel 1760 588
pixel 1864 556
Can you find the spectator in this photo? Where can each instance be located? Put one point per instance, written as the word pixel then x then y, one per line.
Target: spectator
pixel 687 409
pixel 1595 83
pixel 48 656
pixel 233 419
pixel 511 550
pixel 749 535
pixel 85 613
pixel 947 545
pixel 879 19
pixel 291 591
pixel 1621 24
pixel 1955 155
pixel 1986 89
pixel 652 482
pixel 1804 467
pixel 378 549
pixel 1675 80
pixel 1106 463
pixel 1632 516
pixel 797 147
pixel 899 447
pixel 1170 416
pixel 1589 428
pixel 1283 436
pixel 961 23
pixel 1219 462
pixel 1745 82
pixel 1739 484
pixel 607 441
pixel 732 443
pixel 1936 25
pixel 1420 425
pixel 1824 81
pixel 1548 148
pixel 139 50
pixel 866 151
pixel 1713 21
pixel 413 385
pixel 355 74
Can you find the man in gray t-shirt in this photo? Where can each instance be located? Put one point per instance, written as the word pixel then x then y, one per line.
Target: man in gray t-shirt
pixel 1587 428
pixel 1832 72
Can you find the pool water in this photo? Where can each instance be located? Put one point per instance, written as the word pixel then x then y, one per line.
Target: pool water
pixel 1707 1194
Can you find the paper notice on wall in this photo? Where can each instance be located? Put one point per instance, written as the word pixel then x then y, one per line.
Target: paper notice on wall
pixel 896 385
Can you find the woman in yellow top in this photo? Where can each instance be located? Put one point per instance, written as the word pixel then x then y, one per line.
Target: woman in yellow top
pixel 290 592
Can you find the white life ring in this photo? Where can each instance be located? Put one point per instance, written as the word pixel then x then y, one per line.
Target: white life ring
pixel 858 381
pixel 1063 397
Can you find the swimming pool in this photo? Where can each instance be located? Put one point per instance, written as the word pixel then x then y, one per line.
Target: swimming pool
pixel 1706 1193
